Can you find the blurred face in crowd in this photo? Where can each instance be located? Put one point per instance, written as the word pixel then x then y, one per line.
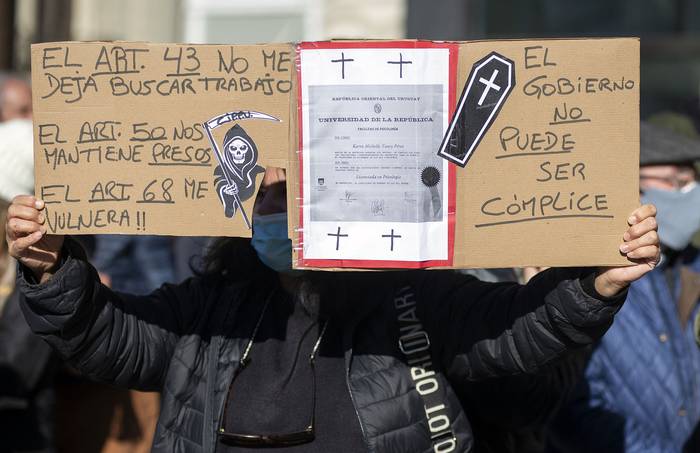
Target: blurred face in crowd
pixel 676 194
pixel 665 177
pixel 15 100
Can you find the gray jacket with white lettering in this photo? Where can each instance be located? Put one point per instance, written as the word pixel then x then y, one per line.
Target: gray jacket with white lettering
pixel 185 341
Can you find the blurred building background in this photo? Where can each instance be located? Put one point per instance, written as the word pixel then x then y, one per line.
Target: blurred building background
pixel 668 28
pixel 196 21
pixel 669 32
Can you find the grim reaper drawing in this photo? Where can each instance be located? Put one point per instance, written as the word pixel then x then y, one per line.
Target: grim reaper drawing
pixel 236 182
pixel 238 167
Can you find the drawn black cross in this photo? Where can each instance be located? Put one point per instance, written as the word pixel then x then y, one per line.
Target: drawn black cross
pixel 342 61
pixel 488 85
pixel 401 62
pixel 392 236
pixel 337 238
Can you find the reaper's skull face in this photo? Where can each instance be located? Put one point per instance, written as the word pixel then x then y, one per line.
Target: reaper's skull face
pixel 238 148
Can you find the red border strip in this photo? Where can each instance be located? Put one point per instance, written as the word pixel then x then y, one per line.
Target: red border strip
pixel 453 48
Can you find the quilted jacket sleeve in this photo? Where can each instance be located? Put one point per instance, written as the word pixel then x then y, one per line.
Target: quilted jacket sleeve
pixel 498 329
pixel 108 336
pixel 524 401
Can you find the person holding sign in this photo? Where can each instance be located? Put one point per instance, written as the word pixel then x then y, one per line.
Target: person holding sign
pixel 252 355
pixel 640 390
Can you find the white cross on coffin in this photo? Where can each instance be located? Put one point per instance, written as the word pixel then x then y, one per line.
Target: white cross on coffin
pixel 488 85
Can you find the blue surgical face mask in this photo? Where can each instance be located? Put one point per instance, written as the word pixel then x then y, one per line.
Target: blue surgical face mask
pixel 270 241
pixel 678 214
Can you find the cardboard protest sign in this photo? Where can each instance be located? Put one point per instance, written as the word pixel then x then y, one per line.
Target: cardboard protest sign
pixel 157 139
pixel 398 153
pixel 541 138
pixel 556 176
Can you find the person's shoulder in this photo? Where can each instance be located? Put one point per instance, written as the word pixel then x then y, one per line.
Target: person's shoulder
pixel 205 299
pixel 207 289
pixel 399 280
pixel 436 283
pixel 392 278
pixel 444 276
pixel 215 283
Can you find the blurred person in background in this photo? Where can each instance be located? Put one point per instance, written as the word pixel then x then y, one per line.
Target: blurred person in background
pixel 27 363
pixel 641 387
pixel 15 98
pixel 188 252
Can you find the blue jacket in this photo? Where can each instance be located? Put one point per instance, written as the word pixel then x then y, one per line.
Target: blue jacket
pixel 641 388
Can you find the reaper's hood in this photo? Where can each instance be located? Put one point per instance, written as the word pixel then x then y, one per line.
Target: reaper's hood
pixel 242 172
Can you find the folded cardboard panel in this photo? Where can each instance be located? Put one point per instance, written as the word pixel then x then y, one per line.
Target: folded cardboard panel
pixel 398 153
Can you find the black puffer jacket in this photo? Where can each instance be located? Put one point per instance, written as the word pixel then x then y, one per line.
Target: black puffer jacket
pixel 185 341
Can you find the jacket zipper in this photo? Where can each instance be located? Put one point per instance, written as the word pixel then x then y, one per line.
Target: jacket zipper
pixel 352 398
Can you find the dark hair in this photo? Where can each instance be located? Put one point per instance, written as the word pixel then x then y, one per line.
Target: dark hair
pixel 233 259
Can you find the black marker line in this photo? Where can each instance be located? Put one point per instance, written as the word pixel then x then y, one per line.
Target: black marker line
pixel 181 74
pixel 401 62
pixel 105 201
pixel 582 120
pixel 392 236
pixel 543 153
pixel 337 238
pixel 115 73
pixel 549 217
pixel 342 61
pixel 155 202
pixel 178 164
pixel 99 140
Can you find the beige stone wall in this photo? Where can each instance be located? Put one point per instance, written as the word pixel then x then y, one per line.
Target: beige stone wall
pixel 160 21
pixel 131 20
pixel 383 19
